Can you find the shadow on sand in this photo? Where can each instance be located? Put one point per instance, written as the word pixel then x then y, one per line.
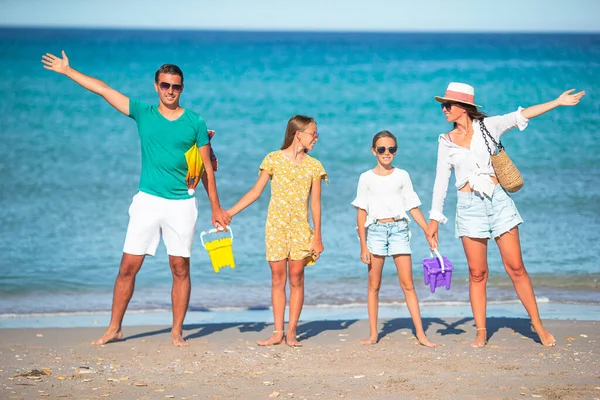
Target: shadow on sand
pixel 309 329
pixel 461 326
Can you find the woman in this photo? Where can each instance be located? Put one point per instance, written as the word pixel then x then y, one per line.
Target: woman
pixel 484 209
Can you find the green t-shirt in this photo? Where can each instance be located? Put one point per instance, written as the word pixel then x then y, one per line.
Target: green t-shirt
pixel 164 144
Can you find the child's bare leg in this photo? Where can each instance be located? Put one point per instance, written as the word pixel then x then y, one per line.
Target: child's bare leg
pixel 296 272
pixel 278 278
pixel 404 267
pixel 373 285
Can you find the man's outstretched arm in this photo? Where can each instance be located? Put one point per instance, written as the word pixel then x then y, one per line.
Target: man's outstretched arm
pixel 61 66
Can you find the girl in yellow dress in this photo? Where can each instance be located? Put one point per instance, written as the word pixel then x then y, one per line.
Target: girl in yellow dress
pixel 290 242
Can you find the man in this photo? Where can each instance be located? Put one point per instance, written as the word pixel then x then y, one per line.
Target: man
pixel 163 206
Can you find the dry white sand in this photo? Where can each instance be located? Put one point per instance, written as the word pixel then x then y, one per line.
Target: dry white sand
pixel 223 362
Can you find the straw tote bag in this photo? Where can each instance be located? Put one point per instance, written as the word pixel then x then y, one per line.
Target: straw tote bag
pixel 506 172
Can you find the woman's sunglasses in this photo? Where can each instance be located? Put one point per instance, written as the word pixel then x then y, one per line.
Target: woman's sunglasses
pixel 447 105
pixel 382 149
pixel 164 86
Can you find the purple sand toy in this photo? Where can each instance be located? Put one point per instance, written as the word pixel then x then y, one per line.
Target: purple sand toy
pixel 437 271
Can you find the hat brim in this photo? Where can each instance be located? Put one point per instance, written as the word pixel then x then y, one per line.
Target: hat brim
pixel 443 99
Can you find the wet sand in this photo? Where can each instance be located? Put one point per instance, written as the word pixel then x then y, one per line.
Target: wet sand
pixel 224 362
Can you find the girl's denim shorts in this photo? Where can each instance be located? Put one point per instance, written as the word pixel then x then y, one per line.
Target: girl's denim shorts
pixel 483 217
pixel 389 238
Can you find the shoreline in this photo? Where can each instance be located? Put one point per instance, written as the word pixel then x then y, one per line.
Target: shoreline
pixel 508 309
pixel 224 362
pixel 319 294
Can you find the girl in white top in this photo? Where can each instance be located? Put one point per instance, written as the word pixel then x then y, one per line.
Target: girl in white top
pixel 385 194
pixel 484 209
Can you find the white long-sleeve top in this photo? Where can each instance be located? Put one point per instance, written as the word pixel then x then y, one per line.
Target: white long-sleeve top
pixel 473 165
pixel 389 196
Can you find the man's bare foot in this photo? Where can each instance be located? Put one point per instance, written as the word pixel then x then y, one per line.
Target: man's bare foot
pixel 480 339
pixel 275 339
pixel 178 340
pixel 545 337
pixel 370 340
pixel 424 341
pixel 108 337
pixel 290 340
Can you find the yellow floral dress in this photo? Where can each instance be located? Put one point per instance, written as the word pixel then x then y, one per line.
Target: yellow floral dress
pixel 287 232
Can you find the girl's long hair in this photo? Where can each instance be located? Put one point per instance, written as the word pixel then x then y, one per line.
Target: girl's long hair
pixel 296 123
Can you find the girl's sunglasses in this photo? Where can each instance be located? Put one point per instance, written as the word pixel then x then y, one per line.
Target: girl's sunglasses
pixel 164 86
pixel 382 149
pixel 314 134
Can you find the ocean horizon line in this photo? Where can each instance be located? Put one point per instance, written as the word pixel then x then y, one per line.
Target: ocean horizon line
pixel 296 31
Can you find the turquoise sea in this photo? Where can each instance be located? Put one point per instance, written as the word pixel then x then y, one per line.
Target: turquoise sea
pixel 69 163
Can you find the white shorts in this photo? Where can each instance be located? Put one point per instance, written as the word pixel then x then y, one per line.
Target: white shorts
pixel 151 216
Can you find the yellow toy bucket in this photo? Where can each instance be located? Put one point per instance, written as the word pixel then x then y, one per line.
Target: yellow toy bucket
pixel 219 250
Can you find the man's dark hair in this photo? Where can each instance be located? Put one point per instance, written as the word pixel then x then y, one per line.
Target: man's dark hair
pixel 170 69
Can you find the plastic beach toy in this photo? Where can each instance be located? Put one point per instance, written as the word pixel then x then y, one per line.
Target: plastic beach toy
pixel 196 166
pixel 311 259
pixel 220 250
pixel 437 271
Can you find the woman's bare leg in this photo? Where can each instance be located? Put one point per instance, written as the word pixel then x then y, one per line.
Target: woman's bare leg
pixel 510 250
pixel 476 252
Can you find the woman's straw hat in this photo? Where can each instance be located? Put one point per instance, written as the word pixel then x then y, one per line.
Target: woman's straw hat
pixel 459 93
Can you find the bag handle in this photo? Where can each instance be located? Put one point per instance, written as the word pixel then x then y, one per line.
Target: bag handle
pixel 439 257
pixel 486 133
pixel 215 230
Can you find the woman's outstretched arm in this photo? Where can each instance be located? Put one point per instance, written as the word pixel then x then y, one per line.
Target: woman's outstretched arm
pixel 565 99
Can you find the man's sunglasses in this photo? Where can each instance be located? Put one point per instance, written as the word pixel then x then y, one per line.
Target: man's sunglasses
pixel 164 86
pixel 382 149
pixel 447 105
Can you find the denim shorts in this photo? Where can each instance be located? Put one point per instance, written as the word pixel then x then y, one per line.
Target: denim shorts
pixel 483 217
pixel 389 238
